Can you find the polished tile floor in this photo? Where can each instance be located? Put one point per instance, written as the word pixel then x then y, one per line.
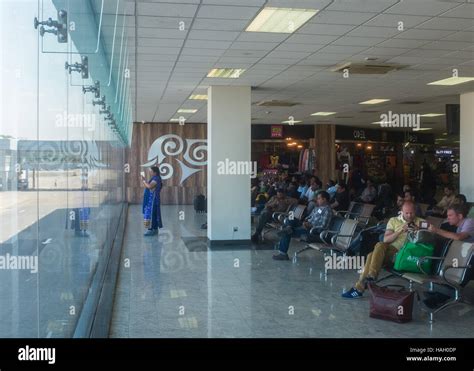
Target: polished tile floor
pixel 166 290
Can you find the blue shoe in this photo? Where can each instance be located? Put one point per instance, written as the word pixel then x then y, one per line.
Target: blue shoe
pixel 352 294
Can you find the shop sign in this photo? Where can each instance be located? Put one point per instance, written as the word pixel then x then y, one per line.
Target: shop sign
pixel 276 131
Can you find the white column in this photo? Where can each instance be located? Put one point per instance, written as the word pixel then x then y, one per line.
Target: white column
pixel 228 141
pixel 467 143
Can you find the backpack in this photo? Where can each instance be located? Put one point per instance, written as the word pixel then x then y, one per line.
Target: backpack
pixel 200 204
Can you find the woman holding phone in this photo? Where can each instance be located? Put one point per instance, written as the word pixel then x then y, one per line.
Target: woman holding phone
pixel 151 202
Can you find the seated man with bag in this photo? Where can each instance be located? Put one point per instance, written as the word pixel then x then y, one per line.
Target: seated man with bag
pixel 278 203
pixel 384 252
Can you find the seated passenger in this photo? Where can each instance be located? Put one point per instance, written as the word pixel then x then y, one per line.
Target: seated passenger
pixel 342 199
pixel 369 193
pixel 278 203
pixel 319 218
pixel 447 200
pixel 384 252
pixel 409 196
pixel 457 218
pixel 331 188
pixel 311 195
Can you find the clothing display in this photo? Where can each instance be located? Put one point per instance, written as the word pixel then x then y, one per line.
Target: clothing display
pixel 307 160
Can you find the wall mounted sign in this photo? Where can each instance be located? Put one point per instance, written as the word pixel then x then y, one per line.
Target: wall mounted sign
pixel 172 145
pixel 276 131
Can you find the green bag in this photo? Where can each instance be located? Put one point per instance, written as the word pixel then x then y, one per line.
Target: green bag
pixel 408 256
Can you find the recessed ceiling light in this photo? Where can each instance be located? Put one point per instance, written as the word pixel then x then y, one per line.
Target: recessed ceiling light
pixel 432 114
pixel 226 73
pixel 291 122
pixel 374 101
pixel 187 110
pixel 323 113
pixel 175 120
pixel 422 129
pixel 283 20
pixel 452 81
pixel 387 123
pixel 198 96
pixel 445 133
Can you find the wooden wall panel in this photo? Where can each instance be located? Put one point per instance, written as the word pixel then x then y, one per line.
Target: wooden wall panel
pixel 325 138
pixel 173 193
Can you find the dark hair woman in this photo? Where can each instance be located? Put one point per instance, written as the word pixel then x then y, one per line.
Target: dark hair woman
pixel 151 202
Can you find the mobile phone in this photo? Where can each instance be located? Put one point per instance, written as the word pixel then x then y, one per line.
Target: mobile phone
pixel 142 173
pixel 424 225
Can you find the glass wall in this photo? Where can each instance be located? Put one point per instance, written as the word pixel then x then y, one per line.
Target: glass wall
pixel 65 123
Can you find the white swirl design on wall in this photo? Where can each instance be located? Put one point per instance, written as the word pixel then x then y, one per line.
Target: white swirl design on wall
pixel 172 145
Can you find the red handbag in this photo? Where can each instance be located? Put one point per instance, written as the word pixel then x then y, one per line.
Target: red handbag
pixel 391 305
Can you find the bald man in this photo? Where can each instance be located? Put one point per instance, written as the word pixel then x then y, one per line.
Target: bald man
pixel 384 252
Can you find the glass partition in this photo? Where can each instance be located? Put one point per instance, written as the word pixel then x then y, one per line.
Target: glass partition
pixel 65 118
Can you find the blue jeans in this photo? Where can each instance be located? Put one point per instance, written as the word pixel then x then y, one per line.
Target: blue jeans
pixel 284 244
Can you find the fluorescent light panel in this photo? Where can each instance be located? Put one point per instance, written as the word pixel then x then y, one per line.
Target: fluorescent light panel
pixel 452 81
pixel 374 101
pixel 226 73
pixel 432 114
pixel 198 96
pixel 323 113
pixel 293 122
pixel 281 20
pixel 187 110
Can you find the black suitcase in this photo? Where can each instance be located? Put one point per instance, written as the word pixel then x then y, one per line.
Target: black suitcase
pixel 200 204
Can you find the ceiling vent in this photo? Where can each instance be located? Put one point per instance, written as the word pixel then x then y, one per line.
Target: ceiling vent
pixel 367 68
pixel 276 103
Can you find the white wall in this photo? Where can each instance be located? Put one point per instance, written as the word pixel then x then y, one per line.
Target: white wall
pixel 228 133
pixel 467 146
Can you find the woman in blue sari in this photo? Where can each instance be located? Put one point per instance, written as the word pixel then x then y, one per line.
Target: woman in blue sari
pixel 151 202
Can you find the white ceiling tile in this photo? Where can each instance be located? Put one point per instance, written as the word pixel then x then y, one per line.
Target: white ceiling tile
pixel 369 6
pixel 211 35
pixel 462 11
pixel 244 53
pixel 392 20
pixel 171 23
pixel 302 4
pixel 233 2
pixel 402 43
pixel 358 41
pixel 324 29
pixel 440 23
pixel 238 60
pixel 157 50
pixel 227 12
pixel 288 55
pixel 378 51
pixel 166 9
pixel 202 52
pixel 446 45
pixel 421 7
pixel 419 34
pixel 461 36
pixel 162 33
pixel 311 39
pixel 347 18
pixel 207 44
pixel 291 47
pixel 270 37
pixel 219 24
pixel 368 31
pixel 154 42
pixel 253 45
pixel 338 49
